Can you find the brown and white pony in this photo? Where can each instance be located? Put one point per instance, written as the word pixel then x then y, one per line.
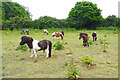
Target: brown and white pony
pixel 94 35
pixel 36 45
pixel 85 39
pixel 57 34
pixel 45 31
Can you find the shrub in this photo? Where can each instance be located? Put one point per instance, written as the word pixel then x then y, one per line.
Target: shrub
pixel 73 72
pixel 23 47
pixel 90 42
pixel 87 60
pixel 59 45
pixel 22 59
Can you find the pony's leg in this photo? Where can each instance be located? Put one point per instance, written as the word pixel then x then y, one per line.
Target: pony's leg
pixel 31 53
pixel 44 51
pixel 47 51
pixel 88 44
pixel 58 38
pixel 35 54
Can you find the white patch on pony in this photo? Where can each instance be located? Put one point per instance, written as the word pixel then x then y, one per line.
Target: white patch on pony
pixel 35 47
pixel 94 32
pixel 53 34
pixel 45 30
pixel 47 51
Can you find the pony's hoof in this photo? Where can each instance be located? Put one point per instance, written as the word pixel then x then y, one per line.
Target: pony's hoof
pixel 35 56
pixel 47 57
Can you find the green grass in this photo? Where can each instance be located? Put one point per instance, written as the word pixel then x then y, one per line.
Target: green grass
pixel 18 64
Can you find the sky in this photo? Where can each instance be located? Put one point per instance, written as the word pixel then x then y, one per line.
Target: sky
pixel 60 8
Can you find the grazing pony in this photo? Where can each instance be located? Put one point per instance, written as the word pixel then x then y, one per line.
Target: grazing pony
pixel 57 34
pixel 45 31
pixel 94 35
pixel 62 32
pixel 85 39
pixel 36 45
pixel 24 31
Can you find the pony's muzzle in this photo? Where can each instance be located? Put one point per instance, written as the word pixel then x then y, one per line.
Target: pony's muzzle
pixel 79 38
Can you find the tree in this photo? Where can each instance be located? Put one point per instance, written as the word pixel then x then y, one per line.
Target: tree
pixel 14 16
pixel 111 20
pixel 85 15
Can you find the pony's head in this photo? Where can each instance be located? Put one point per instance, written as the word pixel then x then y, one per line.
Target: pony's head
pixel 82 35
pixel 25 39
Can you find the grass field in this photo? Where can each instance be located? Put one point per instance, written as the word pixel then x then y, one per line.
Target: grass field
pixel 18 64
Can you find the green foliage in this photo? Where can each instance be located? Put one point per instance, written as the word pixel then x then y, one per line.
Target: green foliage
pixel 85 15
pixel 12 9
pixel 23 47
pixel 108 28
pixel 87 60
pixel 14 16
pixel 3 68
pixel 104 41
pixel 22 58
pixel 66 64
pixel 73 72
pixel 59 45
pixel 90 42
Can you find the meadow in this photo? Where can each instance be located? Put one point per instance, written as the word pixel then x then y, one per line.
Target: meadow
pixel 18 64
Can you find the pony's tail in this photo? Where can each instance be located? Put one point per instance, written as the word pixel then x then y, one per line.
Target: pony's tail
pixel 50 48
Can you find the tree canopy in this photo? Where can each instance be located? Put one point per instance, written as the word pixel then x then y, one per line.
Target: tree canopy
pixel 85 15
pixel 14 15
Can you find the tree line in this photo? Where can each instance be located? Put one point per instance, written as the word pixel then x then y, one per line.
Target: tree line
pixel 85 15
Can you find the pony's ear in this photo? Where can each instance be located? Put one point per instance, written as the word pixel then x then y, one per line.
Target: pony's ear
pixel 31 39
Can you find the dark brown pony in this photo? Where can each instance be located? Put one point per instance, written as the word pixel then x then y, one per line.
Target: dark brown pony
pixel 62 32
pixel 36 45
pixel 85 39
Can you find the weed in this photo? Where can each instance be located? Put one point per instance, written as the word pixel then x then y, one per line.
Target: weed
pixel 66 64
pixel 3 68
pixel 90 42
pixel 23 47
pixel 35 61
pixel 87 60
pixel 22 59
pixel 104 46
pixel 73 72
pixel 17 55
pixel 105 36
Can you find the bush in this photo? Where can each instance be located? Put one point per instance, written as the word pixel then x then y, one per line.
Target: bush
pixel 107 28
pixel 90 42
pixel 59 45
pixel 87 60
pixel 73 73
pixel 23 47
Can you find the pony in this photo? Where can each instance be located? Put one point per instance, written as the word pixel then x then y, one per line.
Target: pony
pixel 62 32
pixel 45 31
pixel 36 45
pixel 85 39
pixel 57 34
pixel 94 35
pixel 24 31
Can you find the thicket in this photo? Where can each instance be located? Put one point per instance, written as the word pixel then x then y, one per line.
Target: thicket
pixel 84 15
